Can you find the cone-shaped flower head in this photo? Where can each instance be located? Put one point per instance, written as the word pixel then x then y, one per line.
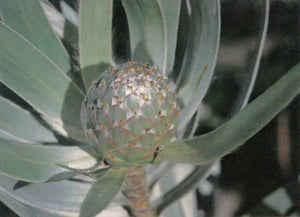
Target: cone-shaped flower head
pixel 129 114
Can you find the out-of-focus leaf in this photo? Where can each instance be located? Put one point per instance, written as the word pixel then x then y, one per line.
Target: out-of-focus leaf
pixel 102 192
pixel 174 210
pixel 175 193
pixel 95 38
pixel 37 163
pixel 241 127
pixel 69 12
pixel 155 171
pixel 278 200
pixel 262 209
pixel 148 32
pixel 166 181
pixel 61 197
pixel 184 207
pixel 27 18
pixel 20 123
pixel 40 82
pixel 202 50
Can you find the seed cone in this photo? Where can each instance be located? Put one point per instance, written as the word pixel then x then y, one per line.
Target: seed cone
pixel 129 114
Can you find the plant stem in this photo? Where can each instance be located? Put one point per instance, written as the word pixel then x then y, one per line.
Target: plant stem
pixel 137 193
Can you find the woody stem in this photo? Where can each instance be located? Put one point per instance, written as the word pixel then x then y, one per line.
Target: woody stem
pixel 137 193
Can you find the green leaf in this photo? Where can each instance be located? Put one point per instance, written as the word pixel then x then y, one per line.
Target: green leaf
pixel 27 18
pixel 170 11
pixel 37 163
pixel 24 210
pixel 202 50
pixel 182 41
pixel 147 31
pixel 59 197
pixel 20 123
pixel 95 38
pixel 40 82
pixel 241 127
pixel 102 192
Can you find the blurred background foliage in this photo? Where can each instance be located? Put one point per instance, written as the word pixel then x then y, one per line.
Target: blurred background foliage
pixel 262 177
pixel 267 167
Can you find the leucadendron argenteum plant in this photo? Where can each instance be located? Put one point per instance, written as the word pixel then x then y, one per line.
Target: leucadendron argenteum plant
pixel 134 113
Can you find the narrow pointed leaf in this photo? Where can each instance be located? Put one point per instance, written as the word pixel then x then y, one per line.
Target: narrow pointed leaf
pixel 241 127
pixel 182 42
pixel 38 80
pixel 37 163
pixel 147 31
pixel 102 192
pixel 20 123
pixel 170 11
pixel 201 50
pixel 95 38
pixel 27 18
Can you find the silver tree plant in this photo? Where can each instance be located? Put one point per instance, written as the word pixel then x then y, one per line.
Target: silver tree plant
pixel 84 125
